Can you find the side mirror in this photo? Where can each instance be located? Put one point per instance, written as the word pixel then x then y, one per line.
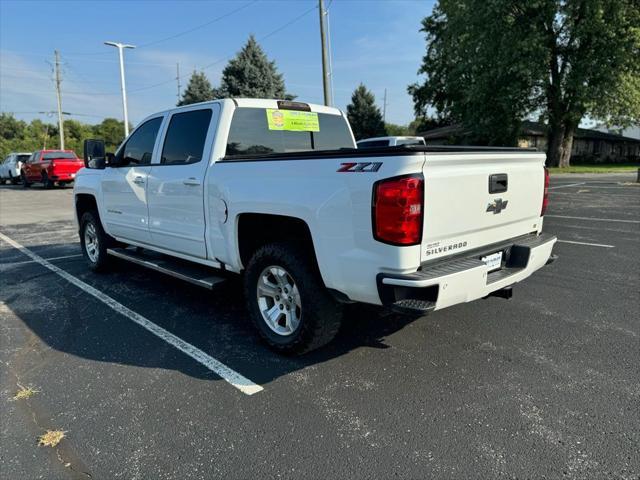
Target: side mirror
pixel 94 153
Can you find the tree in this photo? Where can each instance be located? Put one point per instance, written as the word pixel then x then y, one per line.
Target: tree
pixel 199 89
pixel 111 131
pixel 19 136
pixel 251 74
pixel 490 64
pixel 397 130
pixel 363 114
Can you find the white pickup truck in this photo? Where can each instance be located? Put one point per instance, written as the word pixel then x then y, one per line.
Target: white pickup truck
pixel 277 192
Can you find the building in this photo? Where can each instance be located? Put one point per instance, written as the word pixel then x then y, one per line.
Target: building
pixel 589 146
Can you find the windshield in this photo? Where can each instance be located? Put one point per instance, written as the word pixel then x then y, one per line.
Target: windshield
pixel 254 131
pixel 57 155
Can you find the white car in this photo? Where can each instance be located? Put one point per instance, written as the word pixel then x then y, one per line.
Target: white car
pixel 275 191
pixel 10 167
pixel 378 142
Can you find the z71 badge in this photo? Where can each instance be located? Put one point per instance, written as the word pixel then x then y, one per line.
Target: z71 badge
pixel 360 167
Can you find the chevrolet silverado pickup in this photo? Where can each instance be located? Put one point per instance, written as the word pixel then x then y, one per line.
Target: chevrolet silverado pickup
pixel 277 192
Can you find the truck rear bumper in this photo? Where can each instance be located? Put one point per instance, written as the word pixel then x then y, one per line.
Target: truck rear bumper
pixel 463 279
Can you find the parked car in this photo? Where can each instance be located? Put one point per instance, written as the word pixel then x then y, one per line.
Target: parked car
pixel 277 192
pixel 377 142
pixel 10 167
pixel 49 167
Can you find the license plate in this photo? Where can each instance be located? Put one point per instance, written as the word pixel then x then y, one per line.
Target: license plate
pixel 493 261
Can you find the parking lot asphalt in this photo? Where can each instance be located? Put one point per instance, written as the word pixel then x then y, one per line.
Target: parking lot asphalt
pixel 545 385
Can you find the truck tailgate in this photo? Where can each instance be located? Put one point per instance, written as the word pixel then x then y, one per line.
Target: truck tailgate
pixel 62 166
pixel 461 214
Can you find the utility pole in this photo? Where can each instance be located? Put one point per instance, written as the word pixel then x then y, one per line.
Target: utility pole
pixel 325 55
pixel 178 79
pixel 59 98
pixel 384 107
pixel 121 47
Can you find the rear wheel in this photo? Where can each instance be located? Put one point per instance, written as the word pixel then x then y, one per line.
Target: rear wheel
pixel 288 304
pixel 94 242
pixel 45 180
pixel 13 180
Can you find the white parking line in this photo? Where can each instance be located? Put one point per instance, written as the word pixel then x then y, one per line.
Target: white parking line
pixel 14 264
pixel 585 243
pixel 569 185
pixel 231 376
pixel 593 219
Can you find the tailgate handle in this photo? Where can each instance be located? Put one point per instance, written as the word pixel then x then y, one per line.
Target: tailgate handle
pixel 498 183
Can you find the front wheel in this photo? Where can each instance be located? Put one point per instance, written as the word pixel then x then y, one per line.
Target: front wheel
pixel 94 242
pixel 287 301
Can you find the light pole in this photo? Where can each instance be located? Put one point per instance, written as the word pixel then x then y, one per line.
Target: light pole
pixel 325 55
pixel 121 47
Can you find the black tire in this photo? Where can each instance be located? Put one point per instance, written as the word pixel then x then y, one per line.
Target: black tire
pixel 100 261
pixel 2 181
pixel 45 180
pixel 14 180
pixel 320 316
pixel 25 182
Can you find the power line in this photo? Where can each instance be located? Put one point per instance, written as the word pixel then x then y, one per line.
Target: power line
pixel 176 35
pixel 181 77
pixel 206 24
pixel 270 34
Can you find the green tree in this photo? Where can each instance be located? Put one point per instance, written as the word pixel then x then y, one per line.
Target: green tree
pixel 111 131
pixel 491 63
pixel 199 89
pixel 251 74
pixel 363 114
pixel 397 130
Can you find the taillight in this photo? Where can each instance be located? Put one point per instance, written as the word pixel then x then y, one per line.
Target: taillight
pixel 398 209
pixel 545 197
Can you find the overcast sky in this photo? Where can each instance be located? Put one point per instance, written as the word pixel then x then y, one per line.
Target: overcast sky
pixel 376 42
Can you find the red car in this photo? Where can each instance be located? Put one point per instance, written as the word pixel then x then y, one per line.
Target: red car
pixel 50 166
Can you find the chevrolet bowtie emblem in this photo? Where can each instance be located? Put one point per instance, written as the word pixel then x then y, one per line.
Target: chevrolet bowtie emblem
pixel 497 206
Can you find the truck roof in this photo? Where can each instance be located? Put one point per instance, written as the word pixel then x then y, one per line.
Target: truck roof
pixel 258 103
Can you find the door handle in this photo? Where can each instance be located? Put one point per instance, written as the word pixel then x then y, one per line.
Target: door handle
pixel 191 181
pixel 139 180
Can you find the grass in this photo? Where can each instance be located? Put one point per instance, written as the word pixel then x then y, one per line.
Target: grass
pixel 602 168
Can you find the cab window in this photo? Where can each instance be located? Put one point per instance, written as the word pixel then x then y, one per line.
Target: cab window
pixel 139 148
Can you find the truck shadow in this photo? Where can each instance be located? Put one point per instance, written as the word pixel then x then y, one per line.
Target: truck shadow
pixel 73 322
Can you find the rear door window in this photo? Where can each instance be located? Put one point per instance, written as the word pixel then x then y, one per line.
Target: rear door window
pixel 185 138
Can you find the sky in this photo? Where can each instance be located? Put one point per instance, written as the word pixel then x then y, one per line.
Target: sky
pixel 376 42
